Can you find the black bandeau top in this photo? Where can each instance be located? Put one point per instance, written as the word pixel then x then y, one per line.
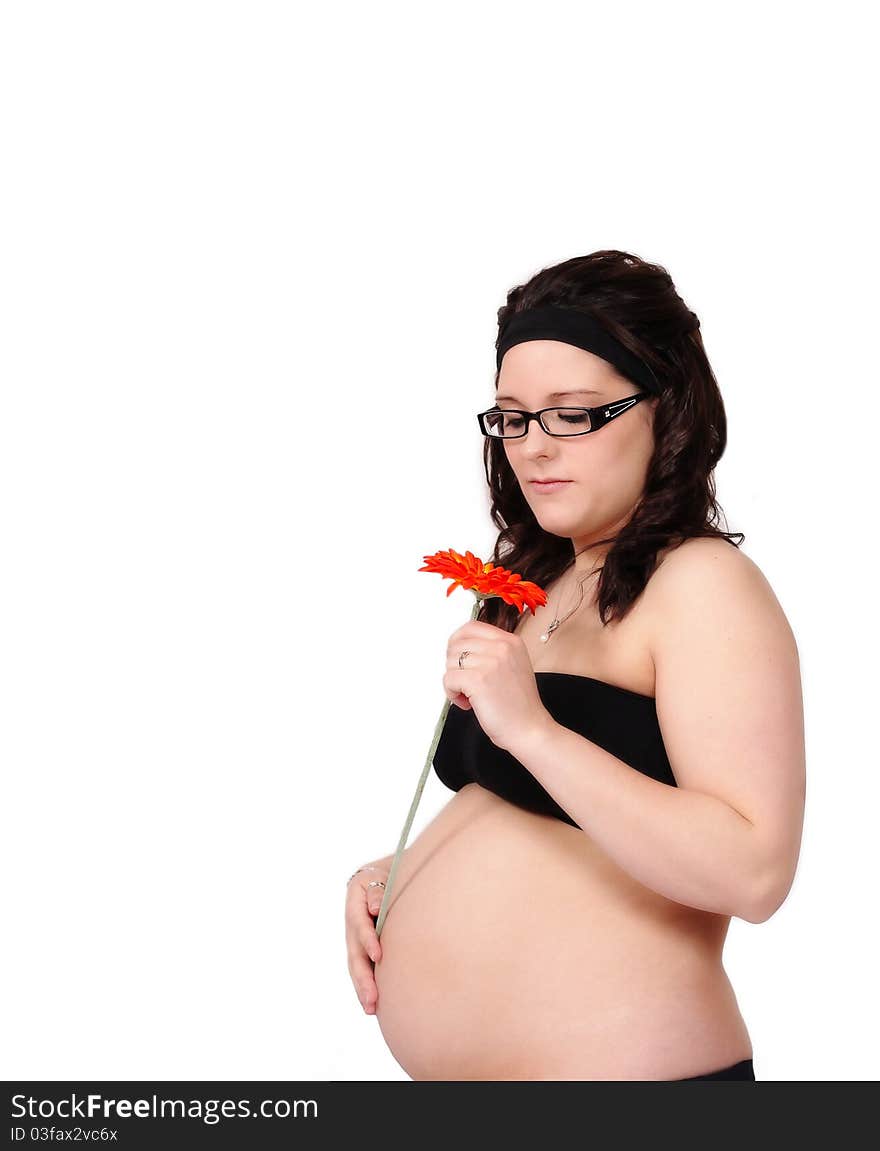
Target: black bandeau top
pixel 621 721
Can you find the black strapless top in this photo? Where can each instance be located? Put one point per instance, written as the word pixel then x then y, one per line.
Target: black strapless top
pixel 621 721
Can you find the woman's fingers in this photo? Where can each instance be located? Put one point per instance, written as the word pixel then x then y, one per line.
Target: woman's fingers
pixel 364 948
pixel 361 971
pixel 374 899
pixel 369 938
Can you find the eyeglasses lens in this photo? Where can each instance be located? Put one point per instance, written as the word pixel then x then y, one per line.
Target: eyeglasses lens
pixel 556 422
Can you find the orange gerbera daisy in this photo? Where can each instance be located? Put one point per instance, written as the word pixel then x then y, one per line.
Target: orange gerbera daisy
pixel 484 580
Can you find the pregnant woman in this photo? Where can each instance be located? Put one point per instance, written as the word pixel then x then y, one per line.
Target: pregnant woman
pixel 628 762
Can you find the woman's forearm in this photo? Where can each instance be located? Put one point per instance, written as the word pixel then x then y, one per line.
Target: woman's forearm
pixel 685 845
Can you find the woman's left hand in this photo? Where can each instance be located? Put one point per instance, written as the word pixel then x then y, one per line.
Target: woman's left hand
pixel 496 679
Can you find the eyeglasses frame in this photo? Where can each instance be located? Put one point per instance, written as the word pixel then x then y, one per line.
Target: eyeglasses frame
pixel 599 417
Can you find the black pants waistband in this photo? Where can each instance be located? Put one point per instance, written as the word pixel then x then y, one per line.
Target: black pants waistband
pixel 744 1070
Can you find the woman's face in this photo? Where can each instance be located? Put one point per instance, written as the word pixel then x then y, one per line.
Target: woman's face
pixel 606 469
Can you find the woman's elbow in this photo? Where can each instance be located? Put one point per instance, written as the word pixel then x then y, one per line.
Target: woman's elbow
pixel 769 895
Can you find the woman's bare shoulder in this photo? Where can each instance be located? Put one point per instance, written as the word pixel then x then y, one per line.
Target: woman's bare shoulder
pixel 709 571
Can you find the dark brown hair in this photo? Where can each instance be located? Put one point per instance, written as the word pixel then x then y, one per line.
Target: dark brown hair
pixel 637 302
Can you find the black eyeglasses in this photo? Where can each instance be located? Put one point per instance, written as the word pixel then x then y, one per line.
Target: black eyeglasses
pixel 513 424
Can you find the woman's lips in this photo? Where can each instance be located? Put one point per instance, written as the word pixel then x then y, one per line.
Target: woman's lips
pixel 553 486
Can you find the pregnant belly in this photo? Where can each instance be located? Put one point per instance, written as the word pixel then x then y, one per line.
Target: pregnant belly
pixel 513 948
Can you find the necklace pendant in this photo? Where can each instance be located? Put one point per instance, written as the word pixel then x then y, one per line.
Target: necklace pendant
pixel 550 630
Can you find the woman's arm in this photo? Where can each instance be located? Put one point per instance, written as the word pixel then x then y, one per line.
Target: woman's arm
pixel 730 708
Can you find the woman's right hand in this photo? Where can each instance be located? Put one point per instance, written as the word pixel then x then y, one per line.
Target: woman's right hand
pixel 361 908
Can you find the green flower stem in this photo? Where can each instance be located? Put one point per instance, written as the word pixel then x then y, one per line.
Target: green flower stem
pixel 383 909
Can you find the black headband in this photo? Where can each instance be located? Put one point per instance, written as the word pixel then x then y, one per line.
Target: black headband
pixel 549 322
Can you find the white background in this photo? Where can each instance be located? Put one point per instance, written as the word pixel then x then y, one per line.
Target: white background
pixel 221 668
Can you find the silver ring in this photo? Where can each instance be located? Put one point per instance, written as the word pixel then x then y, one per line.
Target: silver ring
pixel 461 657
pixel 375 883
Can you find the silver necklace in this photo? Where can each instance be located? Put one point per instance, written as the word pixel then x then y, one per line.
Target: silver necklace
pixel 557 621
